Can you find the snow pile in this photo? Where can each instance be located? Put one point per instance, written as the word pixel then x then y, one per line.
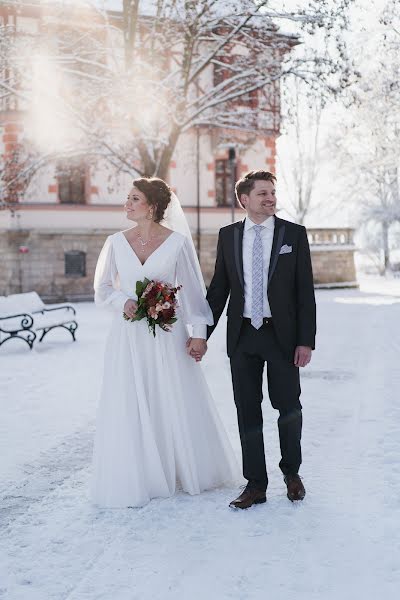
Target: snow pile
pixel 334 545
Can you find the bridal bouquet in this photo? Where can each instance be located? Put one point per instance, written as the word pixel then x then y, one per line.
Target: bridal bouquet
pixel 157 303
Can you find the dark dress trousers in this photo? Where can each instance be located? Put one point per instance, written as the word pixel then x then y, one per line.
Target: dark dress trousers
pixel 291 299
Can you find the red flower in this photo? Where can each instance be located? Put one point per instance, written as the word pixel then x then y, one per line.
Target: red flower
pixel 168 313
pixel 152 293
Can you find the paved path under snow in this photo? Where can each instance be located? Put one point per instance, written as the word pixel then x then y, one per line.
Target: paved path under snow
pixel 340 543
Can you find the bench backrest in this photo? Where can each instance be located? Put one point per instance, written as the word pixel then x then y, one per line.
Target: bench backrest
pixel 7 308
pixel 20 303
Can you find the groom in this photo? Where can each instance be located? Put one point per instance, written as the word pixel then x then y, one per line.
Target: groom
pixel 263 263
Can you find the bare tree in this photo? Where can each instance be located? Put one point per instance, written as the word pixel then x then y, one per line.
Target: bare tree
pixel 125 86
pixel 306 102
pixel 368 137
pixel 299 152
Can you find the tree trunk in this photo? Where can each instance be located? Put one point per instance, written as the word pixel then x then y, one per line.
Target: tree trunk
pixel 163 166
pixel 385 244
pixel 130 20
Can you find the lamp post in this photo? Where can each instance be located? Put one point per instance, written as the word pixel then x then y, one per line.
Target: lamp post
pixel 232 170
pixel 21 250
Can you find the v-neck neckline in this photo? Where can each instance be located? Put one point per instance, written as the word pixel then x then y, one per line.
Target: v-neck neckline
pixel 150 255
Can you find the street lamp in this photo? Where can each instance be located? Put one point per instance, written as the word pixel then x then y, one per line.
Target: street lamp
pixel 21 250
pixel 232 170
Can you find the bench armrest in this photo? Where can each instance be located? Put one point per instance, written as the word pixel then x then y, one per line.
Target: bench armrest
pixel 26 322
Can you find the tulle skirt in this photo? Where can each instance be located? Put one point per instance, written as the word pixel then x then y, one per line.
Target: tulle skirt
pixel 157 425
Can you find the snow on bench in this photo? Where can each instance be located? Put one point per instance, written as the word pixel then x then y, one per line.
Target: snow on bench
pixel 23 316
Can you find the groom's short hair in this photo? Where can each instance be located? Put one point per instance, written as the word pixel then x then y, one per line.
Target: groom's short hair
pixel 246 183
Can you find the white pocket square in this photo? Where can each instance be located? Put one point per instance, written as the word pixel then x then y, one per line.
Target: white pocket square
pixel 285 249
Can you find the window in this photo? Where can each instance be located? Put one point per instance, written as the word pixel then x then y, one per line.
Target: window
pixel 223 182
pixel 75 263
pixel 71 179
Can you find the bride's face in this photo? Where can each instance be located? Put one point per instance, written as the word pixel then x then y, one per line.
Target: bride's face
pixel 136 205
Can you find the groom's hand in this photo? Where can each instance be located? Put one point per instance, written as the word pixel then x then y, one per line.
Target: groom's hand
pixel 302 356
pixel 196 348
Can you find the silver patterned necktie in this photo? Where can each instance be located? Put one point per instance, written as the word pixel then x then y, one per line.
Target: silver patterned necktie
pixel 257 304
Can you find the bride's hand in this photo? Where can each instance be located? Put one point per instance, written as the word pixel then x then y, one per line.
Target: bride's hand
pixel 196 348
pixel 130 308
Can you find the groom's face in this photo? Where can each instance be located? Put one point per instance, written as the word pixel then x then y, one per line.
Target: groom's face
pixel 261 201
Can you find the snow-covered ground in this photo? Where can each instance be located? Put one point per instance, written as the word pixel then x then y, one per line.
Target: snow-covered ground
pixel 341 543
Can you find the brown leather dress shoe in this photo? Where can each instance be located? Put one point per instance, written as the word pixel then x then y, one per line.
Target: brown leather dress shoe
pixel 248 497
pixel 295 487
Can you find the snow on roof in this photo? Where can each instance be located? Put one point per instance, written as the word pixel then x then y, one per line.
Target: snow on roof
pixel 149 7
pixel 218 9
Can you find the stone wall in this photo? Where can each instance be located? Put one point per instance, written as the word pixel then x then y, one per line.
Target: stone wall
pixel 208 252
pixel 332 255
pixel 42 268
pixel 333 266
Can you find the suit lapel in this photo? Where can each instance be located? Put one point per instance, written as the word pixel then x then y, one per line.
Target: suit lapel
pixel 238 250
pixel 279 233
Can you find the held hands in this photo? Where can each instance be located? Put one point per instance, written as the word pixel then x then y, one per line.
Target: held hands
pixel 302 356
pixel 196 348
pixel 130 307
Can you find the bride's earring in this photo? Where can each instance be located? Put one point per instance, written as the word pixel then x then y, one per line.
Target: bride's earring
pixel 150 214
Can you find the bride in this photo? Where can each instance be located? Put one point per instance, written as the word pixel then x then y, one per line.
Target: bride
pixel 157 426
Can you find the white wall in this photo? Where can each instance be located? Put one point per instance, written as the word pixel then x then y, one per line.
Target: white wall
pixel 64 217
pixel 183 178
pixel 38 189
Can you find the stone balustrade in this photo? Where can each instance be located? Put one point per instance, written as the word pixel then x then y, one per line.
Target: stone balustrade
pixel 342 236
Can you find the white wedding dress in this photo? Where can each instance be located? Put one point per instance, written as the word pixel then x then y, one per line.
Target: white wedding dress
pixel 157 426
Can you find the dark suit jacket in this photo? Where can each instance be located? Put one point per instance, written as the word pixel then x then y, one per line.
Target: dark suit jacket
pixel 290 286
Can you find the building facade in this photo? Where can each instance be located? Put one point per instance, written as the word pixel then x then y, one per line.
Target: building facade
pixel 53 229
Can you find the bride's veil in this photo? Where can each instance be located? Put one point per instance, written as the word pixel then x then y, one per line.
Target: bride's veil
pixel 174 219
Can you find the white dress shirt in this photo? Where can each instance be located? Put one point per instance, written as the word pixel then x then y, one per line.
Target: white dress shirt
pixel 267 236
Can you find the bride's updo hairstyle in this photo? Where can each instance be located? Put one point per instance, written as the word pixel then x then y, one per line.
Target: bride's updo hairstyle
pixel 157 192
